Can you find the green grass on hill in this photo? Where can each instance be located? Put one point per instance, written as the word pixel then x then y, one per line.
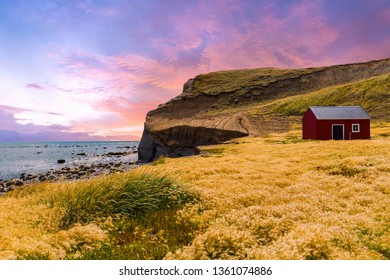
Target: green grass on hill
pixel 215 83
pixel 373 95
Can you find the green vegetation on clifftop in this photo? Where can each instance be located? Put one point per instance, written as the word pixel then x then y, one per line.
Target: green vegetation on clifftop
pixel 215 83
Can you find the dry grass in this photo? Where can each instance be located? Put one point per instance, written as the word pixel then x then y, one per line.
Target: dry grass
pixel 283 198
pixel 32 229
pixel 68 220
pixel 260 198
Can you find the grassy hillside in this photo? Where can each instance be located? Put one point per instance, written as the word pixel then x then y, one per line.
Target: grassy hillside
pixel 276 197
pixel 271 96
pixel 373 95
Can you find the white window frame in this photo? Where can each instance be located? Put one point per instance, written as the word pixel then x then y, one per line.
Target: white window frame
pixel 358 128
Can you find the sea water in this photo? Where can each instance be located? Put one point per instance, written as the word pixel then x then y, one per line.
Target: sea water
pixel 18 158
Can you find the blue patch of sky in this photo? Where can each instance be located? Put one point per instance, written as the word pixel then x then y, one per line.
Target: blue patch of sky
pixel 361 18
pixel 282 8
pixel 193 57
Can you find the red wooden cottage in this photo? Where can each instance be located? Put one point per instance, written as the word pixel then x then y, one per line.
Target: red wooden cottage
pixel 336 122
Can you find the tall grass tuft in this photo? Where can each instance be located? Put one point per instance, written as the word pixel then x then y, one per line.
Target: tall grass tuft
pixel 129 195
pixel 133 215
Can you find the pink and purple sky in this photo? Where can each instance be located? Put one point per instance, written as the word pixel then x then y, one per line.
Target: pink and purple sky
pixel 92 69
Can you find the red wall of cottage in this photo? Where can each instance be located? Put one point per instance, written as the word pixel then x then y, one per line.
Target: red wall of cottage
pixel 322 129
pixel 309 126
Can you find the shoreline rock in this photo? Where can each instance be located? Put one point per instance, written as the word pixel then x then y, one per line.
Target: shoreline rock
pixel 76 172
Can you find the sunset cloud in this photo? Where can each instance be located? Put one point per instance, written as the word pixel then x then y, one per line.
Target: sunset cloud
pixel 12 129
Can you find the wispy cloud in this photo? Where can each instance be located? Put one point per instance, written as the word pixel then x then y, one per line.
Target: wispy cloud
pixel 12 110
pixel 11 129
pixel 34 86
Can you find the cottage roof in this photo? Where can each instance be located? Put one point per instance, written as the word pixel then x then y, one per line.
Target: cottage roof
pixel 339 112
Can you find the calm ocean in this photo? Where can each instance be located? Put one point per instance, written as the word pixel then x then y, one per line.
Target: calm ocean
pixel 17 158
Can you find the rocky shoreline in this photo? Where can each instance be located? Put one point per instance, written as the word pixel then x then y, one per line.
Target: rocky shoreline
pixel 115 163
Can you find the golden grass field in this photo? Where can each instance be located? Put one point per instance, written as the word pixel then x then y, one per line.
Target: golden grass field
pixel 276 197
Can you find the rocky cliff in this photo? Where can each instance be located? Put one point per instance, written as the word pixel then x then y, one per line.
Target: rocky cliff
pixel 220 106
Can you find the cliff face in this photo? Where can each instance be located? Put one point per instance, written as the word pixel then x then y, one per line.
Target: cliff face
pixel 220 106
pixel 181 140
